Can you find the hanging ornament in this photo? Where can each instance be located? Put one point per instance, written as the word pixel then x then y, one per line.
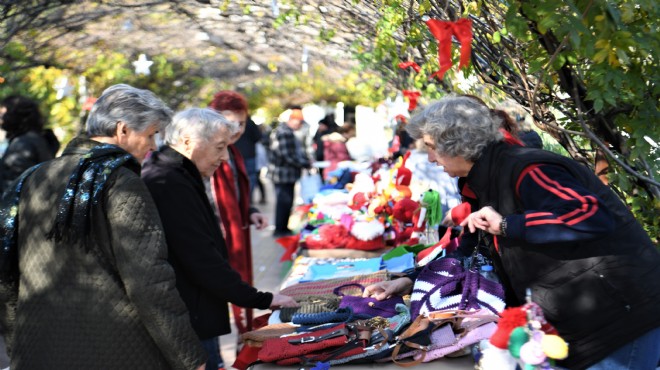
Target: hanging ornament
pixel 63 88
pixel 142 65
pixel 413 65
pixel 443 31
pixel 412 98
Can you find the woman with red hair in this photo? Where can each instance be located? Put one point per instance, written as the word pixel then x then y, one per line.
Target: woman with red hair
pixel 231 191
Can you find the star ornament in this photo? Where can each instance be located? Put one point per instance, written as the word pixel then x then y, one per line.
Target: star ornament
pixel 142 65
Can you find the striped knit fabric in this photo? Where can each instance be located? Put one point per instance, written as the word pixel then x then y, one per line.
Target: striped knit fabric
pixel 443 284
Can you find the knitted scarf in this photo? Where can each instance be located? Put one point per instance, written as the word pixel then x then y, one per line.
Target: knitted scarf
pixel 234 215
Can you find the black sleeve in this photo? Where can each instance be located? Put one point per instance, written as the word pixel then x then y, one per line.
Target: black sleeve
pixel 192 243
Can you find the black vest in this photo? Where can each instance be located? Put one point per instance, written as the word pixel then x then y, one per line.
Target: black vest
pixel 600 293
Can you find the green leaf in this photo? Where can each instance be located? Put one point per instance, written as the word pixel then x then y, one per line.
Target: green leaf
pixel 598 105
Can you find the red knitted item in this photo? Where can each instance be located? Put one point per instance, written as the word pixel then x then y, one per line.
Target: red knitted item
pixel 278 349
pixel 329 236
pixel 369 245
pixel 511 319
pixel 403 174
pixel 405 209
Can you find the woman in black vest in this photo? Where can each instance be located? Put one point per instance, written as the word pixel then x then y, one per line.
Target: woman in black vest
pixel 558 231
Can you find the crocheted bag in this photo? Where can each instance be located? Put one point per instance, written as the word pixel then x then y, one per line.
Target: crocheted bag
pixel 444 284
pixel 311 304
pixel 368 306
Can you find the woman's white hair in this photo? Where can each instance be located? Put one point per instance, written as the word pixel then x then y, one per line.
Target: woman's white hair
pixel 199 123
pixel 460 126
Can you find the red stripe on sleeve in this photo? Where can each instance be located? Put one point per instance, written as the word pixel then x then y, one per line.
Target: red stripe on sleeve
pixel 588 208
pixel 524 173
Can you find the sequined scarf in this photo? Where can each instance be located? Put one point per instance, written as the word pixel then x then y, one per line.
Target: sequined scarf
pixel 84 189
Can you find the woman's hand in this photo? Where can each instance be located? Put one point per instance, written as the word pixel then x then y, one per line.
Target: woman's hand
pixel 280 300
pixel 259 220
pixel 486 219
pixel 386 289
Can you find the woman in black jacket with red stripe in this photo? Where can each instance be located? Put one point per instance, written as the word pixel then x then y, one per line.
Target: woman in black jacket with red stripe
pixel 558 231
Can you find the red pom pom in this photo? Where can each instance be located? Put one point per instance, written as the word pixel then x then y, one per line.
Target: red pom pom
pixel 511 318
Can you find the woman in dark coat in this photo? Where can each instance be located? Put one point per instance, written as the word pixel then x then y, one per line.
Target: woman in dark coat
pixel 196 144
pixel 89 285
pixel 29 143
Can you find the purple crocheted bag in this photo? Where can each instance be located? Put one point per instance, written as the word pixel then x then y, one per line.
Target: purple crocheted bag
pixel 444 284
pixel 368 306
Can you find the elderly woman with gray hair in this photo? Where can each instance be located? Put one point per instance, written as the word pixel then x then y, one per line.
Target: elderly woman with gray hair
pixel 84 277
pixel 196 144
pixel 558 231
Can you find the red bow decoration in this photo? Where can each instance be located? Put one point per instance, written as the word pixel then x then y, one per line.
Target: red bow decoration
pixel 290 245
pixel 443 31
pixel 412 98
pixel 413 65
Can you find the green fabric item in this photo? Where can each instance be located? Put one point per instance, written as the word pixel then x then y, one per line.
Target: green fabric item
pixel 403 249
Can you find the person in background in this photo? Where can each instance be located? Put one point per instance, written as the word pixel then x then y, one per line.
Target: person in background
pixel 557 230
pixel 334 150
pixel 287 160
pixel 196 143
pixel 402 142
pixel 524 131
pixel 326 126
pixel 90 286
pixel 231 191
pixel 262 166
pixel 29 142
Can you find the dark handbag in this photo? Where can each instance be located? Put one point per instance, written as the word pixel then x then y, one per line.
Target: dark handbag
pixel 368 306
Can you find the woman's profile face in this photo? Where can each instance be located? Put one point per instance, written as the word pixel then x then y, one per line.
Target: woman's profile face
pixel 208 153
pixel 139 143
pixel 453 166
pixel 239 117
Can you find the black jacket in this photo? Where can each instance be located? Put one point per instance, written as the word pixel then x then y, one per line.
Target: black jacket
pixel 24 151
pixel 601 293
pixel 196 246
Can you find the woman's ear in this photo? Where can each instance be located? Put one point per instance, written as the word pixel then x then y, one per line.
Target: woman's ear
pixel 121 131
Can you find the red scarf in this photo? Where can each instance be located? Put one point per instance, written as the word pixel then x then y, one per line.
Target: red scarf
pixel 236 225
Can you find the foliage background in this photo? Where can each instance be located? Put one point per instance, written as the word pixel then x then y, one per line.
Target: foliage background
pixel 585 70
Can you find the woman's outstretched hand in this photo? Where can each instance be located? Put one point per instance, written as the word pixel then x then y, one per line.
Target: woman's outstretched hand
pixel 386 289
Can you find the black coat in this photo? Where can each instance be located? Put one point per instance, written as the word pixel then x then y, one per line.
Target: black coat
pixel 197 249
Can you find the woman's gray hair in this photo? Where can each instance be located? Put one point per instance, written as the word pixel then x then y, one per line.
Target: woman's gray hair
pixel 138 108
pixel 460 126
pixel 200 123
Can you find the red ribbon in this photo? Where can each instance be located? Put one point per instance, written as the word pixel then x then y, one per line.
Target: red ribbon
pixel 290 245
pixel 412 98
pixel 413 65
pixel 443 31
